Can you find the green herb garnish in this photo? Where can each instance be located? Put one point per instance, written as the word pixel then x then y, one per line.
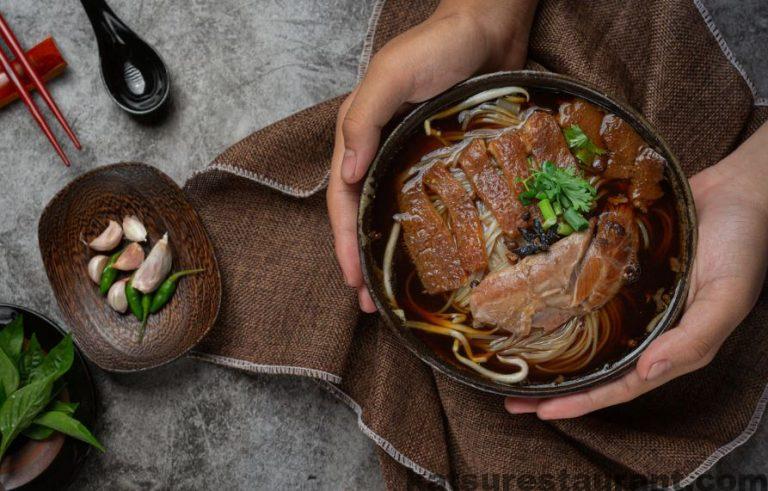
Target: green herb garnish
pixel 581 146
pixel 559 193
pixel 27 382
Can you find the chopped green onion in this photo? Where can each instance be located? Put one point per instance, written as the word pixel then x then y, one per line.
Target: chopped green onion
pixel 550 218
pixel 575 220
pixel 564 229
pixel 558 209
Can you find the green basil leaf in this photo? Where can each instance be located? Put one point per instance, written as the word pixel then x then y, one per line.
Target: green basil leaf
pixel 31 358
pixel 37 432
pixel 56 363
pixel 9 376
pixel 20 409
pixel 63 407
pixel 12 338
pixel 69 426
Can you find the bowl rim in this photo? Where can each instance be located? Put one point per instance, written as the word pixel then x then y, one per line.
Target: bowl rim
pixel 65 312
pixel 551 82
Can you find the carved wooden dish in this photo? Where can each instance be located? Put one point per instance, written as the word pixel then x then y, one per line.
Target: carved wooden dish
pixel 81 211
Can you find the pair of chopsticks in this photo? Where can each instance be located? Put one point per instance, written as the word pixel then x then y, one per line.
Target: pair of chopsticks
pixel 13 44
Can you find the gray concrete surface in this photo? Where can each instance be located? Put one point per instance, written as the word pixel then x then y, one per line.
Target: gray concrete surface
pixel 237 65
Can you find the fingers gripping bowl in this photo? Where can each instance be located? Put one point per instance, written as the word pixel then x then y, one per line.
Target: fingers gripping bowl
pixel 526 235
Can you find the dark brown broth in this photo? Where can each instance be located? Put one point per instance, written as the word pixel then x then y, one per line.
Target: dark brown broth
pixel 635 301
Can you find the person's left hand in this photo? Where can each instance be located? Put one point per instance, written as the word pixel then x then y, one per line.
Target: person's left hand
pixel 728 273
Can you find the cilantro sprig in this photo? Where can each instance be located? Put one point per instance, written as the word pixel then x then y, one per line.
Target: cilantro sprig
pixel 562 195
pixel 582 147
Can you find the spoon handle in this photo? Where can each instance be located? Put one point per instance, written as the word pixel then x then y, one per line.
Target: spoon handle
pixel 104 20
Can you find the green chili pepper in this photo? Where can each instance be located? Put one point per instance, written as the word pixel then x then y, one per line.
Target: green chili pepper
pixel 109 275
pixel 146 300
pixel 168 288
pixel 134 300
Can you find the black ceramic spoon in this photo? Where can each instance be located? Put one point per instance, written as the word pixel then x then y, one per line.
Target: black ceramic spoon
pixel 133 72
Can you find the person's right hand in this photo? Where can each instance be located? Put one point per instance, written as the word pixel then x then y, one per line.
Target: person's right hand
pixel 460 39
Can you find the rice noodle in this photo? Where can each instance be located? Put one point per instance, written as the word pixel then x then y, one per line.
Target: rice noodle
pixel 476 99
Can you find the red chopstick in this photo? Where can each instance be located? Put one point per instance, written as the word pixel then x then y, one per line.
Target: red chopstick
pixel 10 39
pixel 24 96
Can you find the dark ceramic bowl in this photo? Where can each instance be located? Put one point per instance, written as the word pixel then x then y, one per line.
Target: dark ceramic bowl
pixel 82 210
pixel 380 173
pixel 54 462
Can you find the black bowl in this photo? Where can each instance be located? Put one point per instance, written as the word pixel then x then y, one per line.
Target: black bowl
pixel 52 463
pixel 385 161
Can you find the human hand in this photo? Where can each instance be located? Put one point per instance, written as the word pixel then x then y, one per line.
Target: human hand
pixel 728 273
pixel 458 40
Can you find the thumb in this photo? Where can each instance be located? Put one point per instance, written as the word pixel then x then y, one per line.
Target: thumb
pixel 383 90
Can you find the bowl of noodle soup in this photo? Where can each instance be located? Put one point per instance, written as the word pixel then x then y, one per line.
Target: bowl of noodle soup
pixel 526 234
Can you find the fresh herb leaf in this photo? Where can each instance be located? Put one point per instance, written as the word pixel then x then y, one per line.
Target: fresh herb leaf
pixel 69 426
pixel 12 338
pixel 583 148
pixel 563 186
pixel 20 409
pixel 56 363
pixel 31 358
pixel 561 194
pixel 37 432
pixel 9 375
pixel 63 407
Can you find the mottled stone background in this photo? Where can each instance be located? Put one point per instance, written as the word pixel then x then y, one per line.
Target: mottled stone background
pixel 237 65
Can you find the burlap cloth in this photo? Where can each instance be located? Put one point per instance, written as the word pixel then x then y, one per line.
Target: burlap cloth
pixel 286 310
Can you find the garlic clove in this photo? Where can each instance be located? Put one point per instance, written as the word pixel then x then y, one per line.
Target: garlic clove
pixel 133 229
pixel 155 268
pixel 109 238
pixel 116 296
pixel 96 266
pixel 131 258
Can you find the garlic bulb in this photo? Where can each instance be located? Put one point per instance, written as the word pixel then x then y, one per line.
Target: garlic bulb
pixel 131 258
pixel 109 238
pixel 116 296
pixel 155 268
pixel 96 266
pixel 133 229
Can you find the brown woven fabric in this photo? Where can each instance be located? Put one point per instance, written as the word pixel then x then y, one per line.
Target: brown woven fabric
pixel 286 310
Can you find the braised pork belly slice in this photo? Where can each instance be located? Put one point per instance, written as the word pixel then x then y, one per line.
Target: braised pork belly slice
pixel 490 186
pixel 630 158
pixel 510 153
pixel 428 240
pixel 578 275
pixel 584 114
pixel 624 145
pixel 545 141
pixel 589 118
pixel 465 221
pixel 644 188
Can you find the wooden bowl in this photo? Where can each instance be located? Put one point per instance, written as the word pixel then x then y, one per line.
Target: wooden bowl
pixel 54 462
pixel 380 174
pixel 80 212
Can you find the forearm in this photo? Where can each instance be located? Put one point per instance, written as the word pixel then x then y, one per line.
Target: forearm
pixel 506 23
